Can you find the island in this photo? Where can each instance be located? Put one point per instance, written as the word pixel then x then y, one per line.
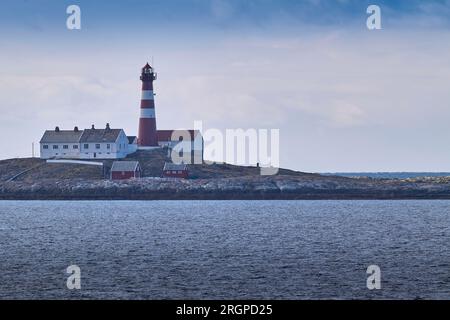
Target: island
pixel 37 179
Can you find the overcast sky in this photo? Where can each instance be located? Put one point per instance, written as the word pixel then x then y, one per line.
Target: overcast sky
pixel 344 98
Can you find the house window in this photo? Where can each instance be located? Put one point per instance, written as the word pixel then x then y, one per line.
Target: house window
pixel 65 146
pixel 97 146
pixel 86 146
pixel 108 146
pixel 75 146
pixel 55 147
pixel 45 147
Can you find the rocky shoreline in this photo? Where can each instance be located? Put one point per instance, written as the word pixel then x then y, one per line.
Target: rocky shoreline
pixel 307 187
pixel 34 179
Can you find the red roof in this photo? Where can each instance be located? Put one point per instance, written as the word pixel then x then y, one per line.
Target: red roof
pixel 166 135
pixel 147 66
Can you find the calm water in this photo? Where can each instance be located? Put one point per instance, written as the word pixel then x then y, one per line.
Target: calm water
pixel 219 249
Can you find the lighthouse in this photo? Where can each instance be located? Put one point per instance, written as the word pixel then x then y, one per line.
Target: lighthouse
pixel 147 136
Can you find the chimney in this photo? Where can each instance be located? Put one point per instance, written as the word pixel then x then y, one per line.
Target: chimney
pixel 57 129
pixel 107 126
pixel 93 127
pixel 76 129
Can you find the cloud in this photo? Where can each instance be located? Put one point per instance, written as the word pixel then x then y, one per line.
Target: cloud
pixel 375 92
pixel 343 98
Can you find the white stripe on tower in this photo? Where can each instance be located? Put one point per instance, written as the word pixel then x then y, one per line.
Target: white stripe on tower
pixel 147 95
pixel 148 113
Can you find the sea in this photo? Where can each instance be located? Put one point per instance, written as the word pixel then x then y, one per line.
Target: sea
pixel 224 249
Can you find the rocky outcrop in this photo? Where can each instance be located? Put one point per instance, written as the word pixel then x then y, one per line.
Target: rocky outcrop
pixel 36 179
pixel 250 187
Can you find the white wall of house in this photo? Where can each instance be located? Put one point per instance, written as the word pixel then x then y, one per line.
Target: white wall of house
pixel 132 148
pixel 60 150
pixel 105 150
pixel 102 150
pixel 99 151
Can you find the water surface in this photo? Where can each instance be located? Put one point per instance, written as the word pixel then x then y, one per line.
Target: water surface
pixel 225 249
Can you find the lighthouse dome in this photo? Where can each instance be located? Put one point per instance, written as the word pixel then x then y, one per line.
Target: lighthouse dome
pixel 147 67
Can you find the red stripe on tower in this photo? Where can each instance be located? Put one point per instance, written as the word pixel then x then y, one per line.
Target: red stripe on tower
pixel 147 121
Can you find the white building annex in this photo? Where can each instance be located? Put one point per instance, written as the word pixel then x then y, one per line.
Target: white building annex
pixel 87 144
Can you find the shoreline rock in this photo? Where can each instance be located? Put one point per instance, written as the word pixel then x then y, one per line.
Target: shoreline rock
pixel 307 187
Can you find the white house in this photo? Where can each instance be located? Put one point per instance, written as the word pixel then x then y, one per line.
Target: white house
pixel 86 144
pixel 61 144
pixel 103 144
pixel 132 144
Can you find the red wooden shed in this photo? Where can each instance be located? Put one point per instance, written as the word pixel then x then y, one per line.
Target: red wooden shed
pixel 172 170
pixel 123 170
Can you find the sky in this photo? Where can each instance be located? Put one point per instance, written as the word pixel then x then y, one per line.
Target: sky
pixel 345 98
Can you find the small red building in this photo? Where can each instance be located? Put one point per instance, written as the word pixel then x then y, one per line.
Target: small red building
pixel 123 170
pixel 172 170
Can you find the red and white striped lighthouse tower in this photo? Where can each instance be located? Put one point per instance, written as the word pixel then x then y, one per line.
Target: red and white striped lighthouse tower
pixel 147 121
